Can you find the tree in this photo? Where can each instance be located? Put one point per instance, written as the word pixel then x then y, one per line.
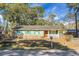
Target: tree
pixel 75 7
pixel 51 17
pixel 38 10
pixel 0 26
pixel 15 14
pixel 20 13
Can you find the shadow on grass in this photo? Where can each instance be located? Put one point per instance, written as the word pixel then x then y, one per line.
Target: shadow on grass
pixel 37 43
pixel 60 49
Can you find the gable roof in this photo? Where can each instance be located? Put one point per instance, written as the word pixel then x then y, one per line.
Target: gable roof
pixel 38 27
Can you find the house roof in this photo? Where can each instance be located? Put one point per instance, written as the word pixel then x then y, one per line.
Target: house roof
pixel 38 27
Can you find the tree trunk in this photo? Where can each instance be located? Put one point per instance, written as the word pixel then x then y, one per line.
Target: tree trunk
pixel 76 25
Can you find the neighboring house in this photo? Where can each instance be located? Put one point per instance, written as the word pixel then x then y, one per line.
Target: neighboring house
pixel 70 28
pixel 38 32
pixel 71 32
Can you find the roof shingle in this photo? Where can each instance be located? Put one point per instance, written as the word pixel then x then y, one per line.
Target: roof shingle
pixel 39 27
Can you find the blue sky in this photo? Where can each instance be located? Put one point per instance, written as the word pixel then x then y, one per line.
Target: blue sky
pixel 60 9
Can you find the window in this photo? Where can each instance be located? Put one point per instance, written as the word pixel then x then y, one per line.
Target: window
pixel 53 32
pixel 36 33
pixel 28 32
pixel 32 32
pixel 19 33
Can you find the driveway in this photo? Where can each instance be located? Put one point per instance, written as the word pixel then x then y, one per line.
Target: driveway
pixel 29 52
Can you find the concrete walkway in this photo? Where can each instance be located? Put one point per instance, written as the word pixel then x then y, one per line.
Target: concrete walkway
pixel 28 52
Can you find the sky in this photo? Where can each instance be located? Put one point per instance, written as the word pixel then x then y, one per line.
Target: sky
pixel 60 9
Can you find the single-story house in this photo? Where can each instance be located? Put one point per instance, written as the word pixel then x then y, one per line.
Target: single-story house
pixel 38 32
